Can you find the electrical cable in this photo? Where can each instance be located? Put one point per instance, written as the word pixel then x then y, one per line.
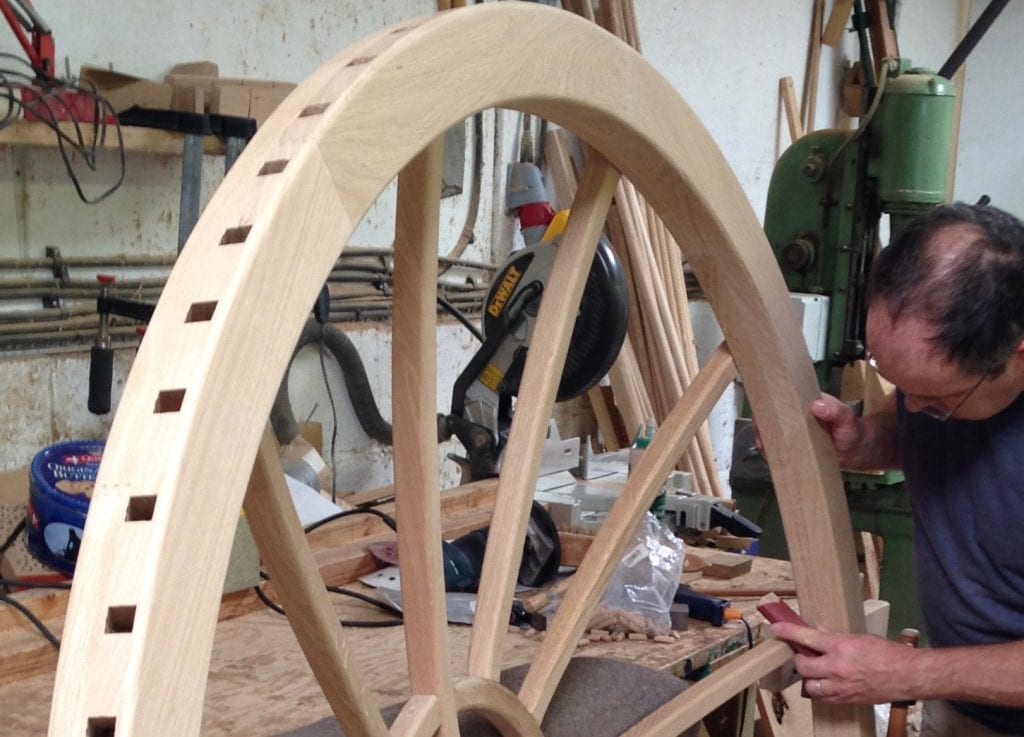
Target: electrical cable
pixel 461 317
pixel 6 544
pixel 383 605
pixel 388 519
pixel 473 206
pixel 344 622
pixel 750 633
pixel 48 105
pixel 887 65
pixel 30 615
pixel 334 416
pixel 268 601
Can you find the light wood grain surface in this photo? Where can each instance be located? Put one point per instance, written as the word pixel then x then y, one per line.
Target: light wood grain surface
pixel 200 391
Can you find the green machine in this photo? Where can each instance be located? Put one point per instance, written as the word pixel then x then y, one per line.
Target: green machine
pixel 826 199
pixel 831 187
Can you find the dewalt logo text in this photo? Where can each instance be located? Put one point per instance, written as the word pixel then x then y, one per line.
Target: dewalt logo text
pixel 508 284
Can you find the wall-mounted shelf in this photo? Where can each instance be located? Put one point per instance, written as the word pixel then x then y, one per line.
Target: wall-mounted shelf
pixel 144 140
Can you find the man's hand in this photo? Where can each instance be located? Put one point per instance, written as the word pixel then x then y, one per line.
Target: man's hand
pixel 840 422
pixel 861 443
pixel 851 669
pixel 837 418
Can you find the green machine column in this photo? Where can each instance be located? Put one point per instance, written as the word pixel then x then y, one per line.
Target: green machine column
pixel 827 194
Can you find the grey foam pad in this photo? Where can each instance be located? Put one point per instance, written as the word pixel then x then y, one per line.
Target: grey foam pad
pixel 597 697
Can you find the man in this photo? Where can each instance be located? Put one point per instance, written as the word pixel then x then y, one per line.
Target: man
pixel 946 326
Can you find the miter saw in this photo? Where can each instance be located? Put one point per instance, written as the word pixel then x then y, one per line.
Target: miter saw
pixel 483 395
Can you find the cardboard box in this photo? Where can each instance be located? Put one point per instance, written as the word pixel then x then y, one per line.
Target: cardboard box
pixel 205 68
pixel 242 98
pixel 231 100
pixel 190 99
pixel 124 91
pixel 265 100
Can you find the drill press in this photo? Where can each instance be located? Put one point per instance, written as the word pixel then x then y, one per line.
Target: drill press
pixel 831 187
pixel 826 200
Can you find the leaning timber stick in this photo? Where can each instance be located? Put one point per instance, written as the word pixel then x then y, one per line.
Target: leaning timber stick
pixel 669 365
pixel 836 25
pixel 630 396
pixel 813 62
pixel 610 543
pixel 677 286
pixel 603 415
pixel 580 7
pixel 629 18
pixel 672 276
pixel 667 359
pixel 786 92
pixel 609 15
pixel 646 293
pixel 638 330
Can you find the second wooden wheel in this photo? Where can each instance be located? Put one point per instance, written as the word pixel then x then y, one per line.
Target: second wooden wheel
pixel 143 610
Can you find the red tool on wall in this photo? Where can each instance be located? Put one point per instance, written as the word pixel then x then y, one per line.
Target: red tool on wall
pixel 38 44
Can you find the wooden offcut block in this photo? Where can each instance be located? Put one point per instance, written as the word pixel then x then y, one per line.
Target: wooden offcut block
pixel 722 565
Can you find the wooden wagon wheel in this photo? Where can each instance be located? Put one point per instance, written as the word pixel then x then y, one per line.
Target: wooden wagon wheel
pixel 141 622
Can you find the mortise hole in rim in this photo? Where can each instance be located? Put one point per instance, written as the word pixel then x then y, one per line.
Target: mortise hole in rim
pixel 273 167
pixel 140 508
pixel 235 235
pixel 201 311
pixel 120 619
pixel 101 727
pixel 169 400
pixel 311 110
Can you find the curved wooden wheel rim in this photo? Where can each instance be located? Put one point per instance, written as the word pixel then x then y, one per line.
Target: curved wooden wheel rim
pixel 204 379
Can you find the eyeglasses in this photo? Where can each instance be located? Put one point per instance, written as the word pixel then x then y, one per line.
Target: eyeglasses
pixel 931 404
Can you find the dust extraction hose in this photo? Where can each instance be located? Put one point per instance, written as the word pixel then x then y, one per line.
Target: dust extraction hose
pixel 356 384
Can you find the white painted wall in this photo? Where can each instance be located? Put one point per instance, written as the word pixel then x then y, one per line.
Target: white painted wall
pixel 725 58
pixel 991 159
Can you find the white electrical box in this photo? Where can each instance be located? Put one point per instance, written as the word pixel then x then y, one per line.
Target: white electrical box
pixel 812 311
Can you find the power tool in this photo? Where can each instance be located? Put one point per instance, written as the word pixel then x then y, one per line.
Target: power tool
pixel 483 395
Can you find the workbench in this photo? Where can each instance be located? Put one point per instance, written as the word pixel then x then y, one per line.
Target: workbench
pixel 260 683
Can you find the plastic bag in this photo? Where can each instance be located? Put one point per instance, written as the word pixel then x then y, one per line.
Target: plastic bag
pixel 641 590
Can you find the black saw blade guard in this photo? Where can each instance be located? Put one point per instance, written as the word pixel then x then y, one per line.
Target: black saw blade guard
pixel 597 335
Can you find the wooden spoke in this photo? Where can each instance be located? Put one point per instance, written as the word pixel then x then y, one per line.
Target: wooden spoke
pixel 205 377
pixel 592 576
pixel 542 373
pixel 420 717
pixel 414 389
pixel 284 551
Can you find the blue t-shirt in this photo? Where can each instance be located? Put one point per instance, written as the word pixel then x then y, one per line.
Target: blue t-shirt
pixel 965 479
